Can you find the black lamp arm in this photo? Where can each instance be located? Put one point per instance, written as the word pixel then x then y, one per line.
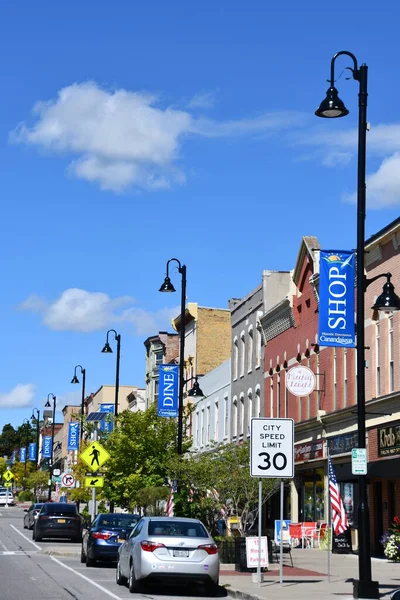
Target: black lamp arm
pixel 369 281
pixel 355 70
pixel 111 331
pixel 177 261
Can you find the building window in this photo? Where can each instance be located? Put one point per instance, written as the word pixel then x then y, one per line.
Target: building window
pixel 249 408
pixel 197 428
pixel 390 348
pixel 202 428
pixel 243 353
pixel 345 377
pixel 225 416
pixel 378 359
pixel 250 350
pixel 208 425
pixel 257 408
pixel 234 417
pixel 158 357
pixel 334 378
pixel 241 414
pixel 216 420
pixel 156 384
pixel 271 398
pixel 258 345
pixel 235 358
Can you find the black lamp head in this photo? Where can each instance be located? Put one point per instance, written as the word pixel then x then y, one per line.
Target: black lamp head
pixel 332 106
pixel 196 391
pixel 167 286
pixel 388 301
pixel 33 418
pixel 47 405
pixel 74 379
pixel 107 348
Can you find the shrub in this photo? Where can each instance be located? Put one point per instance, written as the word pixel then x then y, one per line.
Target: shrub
pixel 25 496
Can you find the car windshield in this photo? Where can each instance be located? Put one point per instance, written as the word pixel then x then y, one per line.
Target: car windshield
pixel 177 529
pixel 117 520
pixel 60 509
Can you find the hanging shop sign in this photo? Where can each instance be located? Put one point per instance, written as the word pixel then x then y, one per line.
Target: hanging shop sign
pixel 308 451
pixel 300 381
pixel 336 299
pixel 389 440
pixel 342 444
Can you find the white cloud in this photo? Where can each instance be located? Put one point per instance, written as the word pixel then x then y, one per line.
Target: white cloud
pixel 333 159
pixel 383 187
pixel 19 397
pixel 121 139
pixel 203 100
pixel 80 310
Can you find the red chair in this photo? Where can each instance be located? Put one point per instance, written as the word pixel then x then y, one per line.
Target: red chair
pixel 309 534
pixel 296 534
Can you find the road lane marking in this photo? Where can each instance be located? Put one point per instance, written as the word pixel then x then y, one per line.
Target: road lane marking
pixel 3 546
pixel 26 538
pixel 100 587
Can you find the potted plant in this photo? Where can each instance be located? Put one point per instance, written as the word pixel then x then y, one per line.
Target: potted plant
pixel 391 541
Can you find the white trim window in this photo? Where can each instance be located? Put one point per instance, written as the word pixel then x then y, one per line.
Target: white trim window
pixel 390 351
pixel 235 358
pixel 250 349
pixel 249 408
pixel 234 417
pixel 226 415
pixel 257 408
pixel 378 358
pixel 197 428
pixel 243 352
pixel 241 413
pixel 208 425
pixel 202 428
pixel 216 419
pixel 258 345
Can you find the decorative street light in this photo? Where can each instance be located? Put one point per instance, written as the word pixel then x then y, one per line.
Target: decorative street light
pixel 333 107
pixel 48 405
pixel 26 426
pixel 76 380
pixel 108 350
pixel 37 419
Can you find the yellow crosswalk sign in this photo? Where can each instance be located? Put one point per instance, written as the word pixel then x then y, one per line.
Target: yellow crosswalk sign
pixel 94 481
pixel 94 456
pixel 7 475
pixel 7 484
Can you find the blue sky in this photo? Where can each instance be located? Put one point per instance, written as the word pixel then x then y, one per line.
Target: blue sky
pixel 131 132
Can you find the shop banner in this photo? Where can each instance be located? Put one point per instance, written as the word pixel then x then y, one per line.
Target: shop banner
pixel 14 455
pixel 336 299
pixel 22 455
pixel 107 424
pixel 47 446
pixel 32 451
pixel 73 436
pixel 168 391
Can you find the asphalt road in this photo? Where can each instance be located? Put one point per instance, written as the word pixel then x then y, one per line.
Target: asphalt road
pixel 51 570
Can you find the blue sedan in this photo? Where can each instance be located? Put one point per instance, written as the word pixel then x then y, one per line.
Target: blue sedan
pixel 105 535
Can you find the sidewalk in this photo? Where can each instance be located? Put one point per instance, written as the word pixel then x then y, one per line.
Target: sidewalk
pixel 308 578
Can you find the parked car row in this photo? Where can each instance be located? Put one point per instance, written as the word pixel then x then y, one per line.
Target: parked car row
pixel 6 497
pixel 146 549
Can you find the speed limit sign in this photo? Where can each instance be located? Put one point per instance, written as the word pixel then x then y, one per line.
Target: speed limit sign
pixel 272 448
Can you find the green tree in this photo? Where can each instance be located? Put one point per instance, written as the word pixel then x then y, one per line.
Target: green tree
pixel 152 499
pixel 8 440
pixel 38 482
pixel 141 447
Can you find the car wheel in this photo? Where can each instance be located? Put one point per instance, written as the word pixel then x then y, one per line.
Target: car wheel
pixel 118 577
pixel 211 588
pixel 90 562
pixel 83 556
pixel 37 538
pixel 133 584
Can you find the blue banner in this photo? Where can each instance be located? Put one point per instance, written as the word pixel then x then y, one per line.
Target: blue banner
pixel 336 299
pixel 107 425
pixel 73 436
pixel 47 446
pixel 13 458
pixel 168 391
pixel 32 451
pixel 22 455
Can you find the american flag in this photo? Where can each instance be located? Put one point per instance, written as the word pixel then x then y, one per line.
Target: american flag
pixel 340 522
pixel 169 507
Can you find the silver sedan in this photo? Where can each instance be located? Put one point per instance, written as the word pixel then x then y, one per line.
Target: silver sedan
pixel 168 549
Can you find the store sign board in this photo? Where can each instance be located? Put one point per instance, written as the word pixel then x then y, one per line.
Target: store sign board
pixel 389 440
pixel 308 451
pixel 342 444
pixel 300 381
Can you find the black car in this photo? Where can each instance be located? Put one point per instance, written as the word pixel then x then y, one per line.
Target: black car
pixel 105 535
pixel 31 514
pixel 58 520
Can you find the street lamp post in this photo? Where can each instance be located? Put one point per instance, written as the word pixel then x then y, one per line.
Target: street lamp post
pixel 108 350
pixel 37 419
pixel 48 405
pixel 333 107
pixel 76 380
pixel 168 287
pixel 26 423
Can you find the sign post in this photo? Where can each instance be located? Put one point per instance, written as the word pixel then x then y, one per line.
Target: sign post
pixel 271 455
pixel 94 456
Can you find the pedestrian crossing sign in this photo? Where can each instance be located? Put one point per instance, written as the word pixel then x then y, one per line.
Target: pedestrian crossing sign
pixel 95 455
pixel 7 485
pixel 94 481
pixel 7 475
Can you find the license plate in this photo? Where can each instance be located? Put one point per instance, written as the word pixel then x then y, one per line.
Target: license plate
pixel 120 540
pixel 60 520
pixel 181 552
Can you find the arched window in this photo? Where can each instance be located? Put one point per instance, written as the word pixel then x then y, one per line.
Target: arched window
pixel 243 352
pixel 235 358
pixel 250 347
pixel 234 417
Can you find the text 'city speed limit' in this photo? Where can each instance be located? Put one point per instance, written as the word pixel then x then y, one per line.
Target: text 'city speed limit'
pixel 272 448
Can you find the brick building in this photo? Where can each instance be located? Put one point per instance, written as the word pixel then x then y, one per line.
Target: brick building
pixel 326 419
